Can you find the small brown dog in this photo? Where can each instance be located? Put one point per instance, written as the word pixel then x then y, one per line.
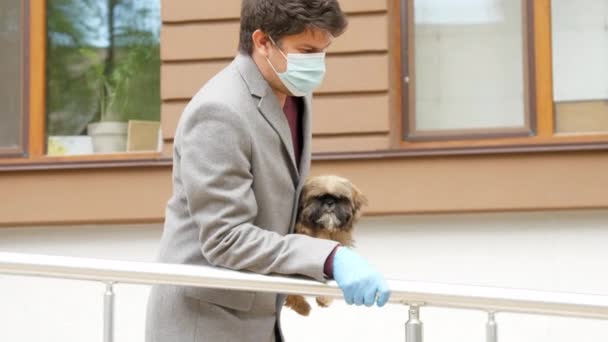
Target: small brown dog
pixel 329 208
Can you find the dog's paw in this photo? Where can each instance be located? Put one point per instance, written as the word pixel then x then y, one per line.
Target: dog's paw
pixel 324 301
pixel 302 307
pixel 298 304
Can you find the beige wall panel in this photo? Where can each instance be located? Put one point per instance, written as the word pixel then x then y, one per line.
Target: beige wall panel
pixel 350 143
pixel 170 114
pixel 201 40
pixel 343 114
pixel 361 113
pixel 364 33
pixel 325 144
pixel 356 73
pixel 407 186
pixel 168 148
pixel 329 144
pixel 194 10
pixel 182 80
pixel 121 195
pixel 206 40
pixel 357 6
pixel 474 183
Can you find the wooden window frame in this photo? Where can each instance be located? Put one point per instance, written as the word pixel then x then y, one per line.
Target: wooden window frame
pixel 539 45
pixel 34 157
pixel 410 133
pixel 22 148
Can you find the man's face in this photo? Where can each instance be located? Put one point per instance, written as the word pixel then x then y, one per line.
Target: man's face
pixel 309 41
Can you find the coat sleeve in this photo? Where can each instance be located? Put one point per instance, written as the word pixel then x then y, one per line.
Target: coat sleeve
pixel 215 163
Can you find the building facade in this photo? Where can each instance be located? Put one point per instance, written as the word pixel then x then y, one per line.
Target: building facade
pixel 477 131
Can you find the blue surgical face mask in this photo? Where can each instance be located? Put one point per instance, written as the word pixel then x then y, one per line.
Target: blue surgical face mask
pixel 304 73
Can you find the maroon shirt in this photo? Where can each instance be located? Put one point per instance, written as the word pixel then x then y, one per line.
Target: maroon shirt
pixel 293 112
pixel 293 109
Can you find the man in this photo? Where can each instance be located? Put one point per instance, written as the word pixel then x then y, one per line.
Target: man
pixel 242 153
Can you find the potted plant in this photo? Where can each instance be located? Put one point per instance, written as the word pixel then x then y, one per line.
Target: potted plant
pixel 109 134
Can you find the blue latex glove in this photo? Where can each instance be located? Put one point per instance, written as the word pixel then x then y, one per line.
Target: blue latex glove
pixel 359 281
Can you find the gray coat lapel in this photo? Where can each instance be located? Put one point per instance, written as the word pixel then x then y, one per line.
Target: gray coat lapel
pixel 272 111
pixel 306 139
pixel 268 106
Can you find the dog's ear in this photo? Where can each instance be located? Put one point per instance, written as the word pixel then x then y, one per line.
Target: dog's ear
pixel 303 195
pixel 359 200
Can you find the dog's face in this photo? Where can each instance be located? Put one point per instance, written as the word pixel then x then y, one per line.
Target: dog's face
pixel 330 202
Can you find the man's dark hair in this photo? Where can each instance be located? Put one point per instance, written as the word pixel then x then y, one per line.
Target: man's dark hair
pixel 280 18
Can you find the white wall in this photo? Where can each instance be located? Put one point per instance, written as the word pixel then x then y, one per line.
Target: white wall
pixel 36 309
pixel 554 251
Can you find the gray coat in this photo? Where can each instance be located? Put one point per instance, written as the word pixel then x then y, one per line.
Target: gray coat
pixel 235 190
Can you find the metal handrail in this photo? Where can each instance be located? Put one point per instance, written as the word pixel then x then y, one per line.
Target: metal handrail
pixel 490 299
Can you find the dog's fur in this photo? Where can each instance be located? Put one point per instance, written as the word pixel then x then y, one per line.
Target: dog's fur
pixel 328 209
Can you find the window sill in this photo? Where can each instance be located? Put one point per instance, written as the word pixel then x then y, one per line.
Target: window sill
pixel 445 150
pixel 100 161
pixel 158 159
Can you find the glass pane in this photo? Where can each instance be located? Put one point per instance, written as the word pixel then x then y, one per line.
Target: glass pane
pixel 10 73
pixel 103 65
pixel 580 65
pixel 469 70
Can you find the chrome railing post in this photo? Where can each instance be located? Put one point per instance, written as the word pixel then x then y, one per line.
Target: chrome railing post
pixel 413 327
pixel 108 313
pixel 491 328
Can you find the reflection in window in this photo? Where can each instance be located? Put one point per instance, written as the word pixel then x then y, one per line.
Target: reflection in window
pixel 103 65
pixel 10 74
pixel 469 64
pixel 580 65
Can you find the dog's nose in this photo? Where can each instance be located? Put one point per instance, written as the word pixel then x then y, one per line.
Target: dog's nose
pixel 330 202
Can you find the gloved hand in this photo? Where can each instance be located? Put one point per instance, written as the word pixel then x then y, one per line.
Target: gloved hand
pixel 359 281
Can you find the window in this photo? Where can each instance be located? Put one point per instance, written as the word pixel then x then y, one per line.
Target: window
pixel 503 75
pixel 103 75
pixel 580 66
pixel 12 50
pixel 469 68
pixel 68 65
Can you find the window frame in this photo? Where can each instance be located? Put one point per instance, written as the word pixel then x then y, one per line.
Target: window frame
pixel 34 155
pixel 539 44
pixel 23 147
pixel 410 133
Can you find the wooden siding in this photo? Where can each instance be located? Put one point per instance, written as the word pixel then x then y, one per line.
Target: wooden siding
pixel 197 10
pixel 551 181
pixel 199 38
pixel 190 40
pixel 332 115
pixel 351 114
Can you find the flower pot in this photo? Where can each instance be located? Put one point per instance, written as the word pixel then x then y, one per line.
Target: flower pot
pixel 108 137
